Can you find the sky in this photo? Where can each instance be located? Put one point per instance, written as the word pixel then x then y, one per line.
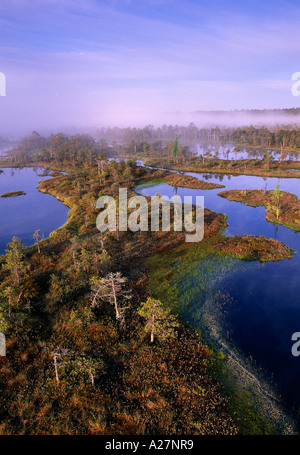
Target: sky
pixel 134 62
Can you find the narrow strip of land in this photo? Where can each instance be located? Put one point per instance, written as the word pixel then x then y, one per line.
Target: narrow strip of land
pixel 281 207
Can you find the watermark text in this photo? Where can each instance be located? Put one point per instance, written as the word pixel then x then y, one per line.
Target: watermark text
pixel 296 85
pixel 133 214
pixel 2 345
pixel 2 84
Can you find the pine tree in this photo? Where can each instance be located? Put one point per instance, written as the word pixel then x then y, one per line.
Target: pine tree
pixel 38 237
pixel 276 195
pixel 159 320
pixel 175 150
pixel 15 259
pixel 110 289
pixel 66 359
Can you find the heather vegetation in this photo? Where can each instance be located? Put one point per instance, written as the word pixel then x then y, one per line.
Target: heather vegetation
pixel 254 248
pixel 187 181
pixel 89 349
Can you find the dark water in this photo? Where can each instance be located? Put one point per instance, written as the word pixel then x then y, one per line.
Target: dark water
pixel 265 308
pixel 21 216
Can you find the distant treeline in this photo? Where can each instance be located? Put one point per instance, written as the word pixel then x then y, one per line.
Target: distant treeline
pixel 287 136
pixel 291 111
pixel 83 148
pixel 57 147
pixel 132 142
